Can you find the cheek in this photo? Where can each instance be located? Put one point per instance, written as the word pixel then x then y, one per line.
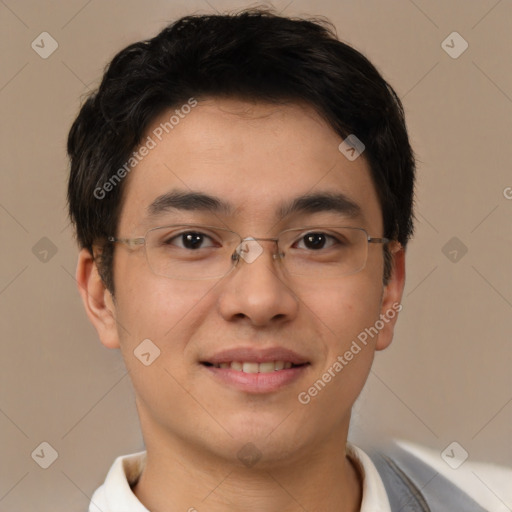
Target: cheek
pixel 342 311
pixel 166 312
pixel 163 310
pixel 343 308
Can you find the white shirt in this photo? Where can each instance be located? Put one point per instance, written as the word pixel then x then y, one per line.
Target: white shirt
pixel 115 495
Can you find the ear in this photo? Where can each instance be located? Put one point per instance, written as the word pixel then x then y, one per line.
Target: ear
pixel 391 297
pixel 98 301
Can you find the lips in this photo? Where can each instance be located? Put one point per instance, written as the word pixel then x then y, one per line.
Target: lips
pixel 256 371
pixel 252 355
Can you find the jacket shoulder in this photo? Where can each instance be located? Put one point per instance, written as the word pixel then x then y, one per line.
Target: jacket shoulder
pixel 414 486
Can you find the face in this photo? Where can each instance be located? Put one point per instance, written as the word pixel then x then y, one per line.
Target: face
pixel 255 160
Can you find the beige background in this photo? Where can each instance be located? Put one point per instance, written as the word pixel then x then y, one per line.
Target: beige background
pixel 447 375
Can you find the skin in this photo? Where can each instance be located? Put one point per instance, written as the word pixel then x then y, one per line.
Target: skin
pixel 254 156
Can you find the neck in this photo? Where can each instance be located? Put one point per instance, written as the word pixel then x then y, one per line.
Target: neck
pixel 322 478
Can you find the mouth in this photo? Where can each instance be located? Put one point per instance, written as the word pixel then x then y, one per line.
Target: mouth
pixel 254 367
pixel 256 371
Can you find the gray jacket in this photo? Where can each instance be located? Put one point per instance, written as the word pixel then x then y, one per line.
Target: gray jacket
pixel 413 486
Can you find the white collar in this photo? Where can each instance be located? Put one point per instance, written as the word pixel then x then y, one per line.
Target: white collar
pixel 116 495
pixel 375 498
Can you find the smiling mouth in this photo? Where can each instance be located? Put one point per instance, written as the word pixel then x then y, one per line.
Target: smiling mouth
pixel 253 367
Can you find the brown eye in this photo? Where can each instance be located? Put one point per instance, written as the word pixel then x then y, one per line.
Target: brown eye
pixel 315 241
pixel 192 240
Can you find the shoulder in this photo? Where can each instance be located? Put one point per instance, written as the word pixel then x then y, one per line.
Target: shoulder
pixel 417 478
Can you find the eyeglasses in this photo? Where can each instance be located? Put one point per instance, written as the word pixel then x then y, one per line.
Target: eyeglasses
pixel 194 252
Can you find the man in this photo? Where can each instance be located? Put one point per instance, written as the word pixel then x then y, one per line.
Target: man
pixel 242 191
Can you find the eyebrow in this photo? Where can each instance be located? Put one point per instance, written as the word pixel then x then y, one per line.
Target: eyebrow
pixel 191 201
pixel 307 203
pixel 322 202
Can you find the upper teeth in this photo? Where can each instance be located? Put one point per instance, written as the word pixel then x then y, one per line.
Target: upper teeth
pixel 250 367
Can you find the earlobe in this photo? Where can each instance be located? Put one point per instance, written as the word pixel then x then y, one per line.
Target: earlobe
pixel 391 299
pixel 97 300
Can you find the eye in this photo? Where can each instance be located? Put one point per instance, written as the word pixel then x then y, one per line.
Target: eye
pixel 192 240
pixel 316 241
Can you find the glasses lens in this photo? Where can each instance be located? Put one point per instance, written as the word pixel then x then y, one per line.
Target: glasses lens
pixel 190 252
pixel 324 252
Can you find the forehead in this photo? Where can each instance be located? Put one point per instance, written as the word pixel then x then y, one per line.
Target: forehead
pixel 256 157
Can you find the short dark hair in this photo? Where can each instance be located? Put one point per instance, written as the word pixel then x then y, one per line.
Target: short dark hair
pixel 253 55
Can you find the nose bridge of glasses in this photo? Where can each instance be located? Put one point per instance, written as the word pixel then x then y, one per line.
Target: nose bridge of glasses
pixel 249 248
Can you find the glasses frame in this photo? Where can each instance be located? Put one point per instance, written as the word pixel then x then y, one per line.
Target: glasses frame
pixel 235 256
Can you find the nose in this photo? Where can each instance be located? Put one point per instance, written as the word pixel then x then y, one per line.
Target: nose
pixel 256 290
